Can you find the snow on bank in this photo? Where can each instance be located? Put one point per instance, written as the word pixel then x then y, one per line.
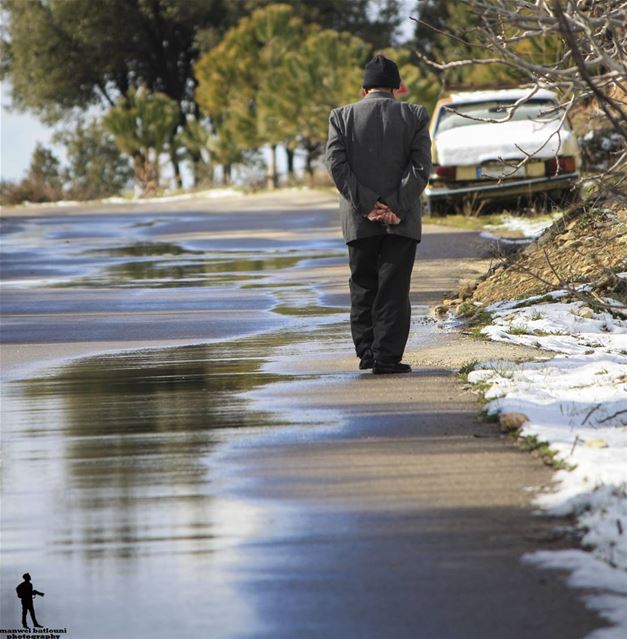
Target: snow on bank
pixel 577 402
pixel 504 240
pixel 118 199
pixel 177 197
pixel 528 227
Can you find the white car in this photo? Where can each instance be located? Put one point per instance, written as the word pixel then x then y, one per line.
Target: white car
pixel 474 159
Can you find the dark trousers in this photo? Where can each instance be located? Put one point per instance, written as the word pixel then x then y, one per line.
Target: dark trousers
pixel 27 606
pixel 381 269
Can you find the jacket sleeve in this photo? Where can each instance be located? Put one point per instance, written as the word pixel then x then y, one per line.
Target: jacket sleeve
pixel 416 174
pixel 361 197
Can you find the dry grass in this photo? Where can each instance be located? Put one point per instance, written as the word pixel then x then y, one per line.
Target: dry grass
pixel 589 244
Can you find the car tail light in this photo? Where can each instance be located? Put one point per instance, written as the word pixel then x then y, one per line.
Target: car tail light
pixel 566 164
pixel 446 172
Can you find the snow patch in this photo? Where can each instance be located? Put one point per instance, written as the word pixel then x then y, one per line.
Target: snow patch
pixel 557 326
pixel 503 240
pixel 529 227
pixel 180 197
pixel 117 199
pixel 577 402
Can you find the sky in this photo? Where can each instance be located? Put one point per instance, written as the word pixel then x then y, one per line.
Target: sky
pixel 20 132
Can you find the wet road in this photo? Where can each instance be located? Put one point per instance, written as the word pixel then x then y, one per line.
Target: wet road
pixel 213 465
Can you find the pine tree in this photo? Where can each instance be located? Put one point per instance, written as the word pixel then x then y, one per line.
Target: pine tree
pixel 143 125
pixel 96 167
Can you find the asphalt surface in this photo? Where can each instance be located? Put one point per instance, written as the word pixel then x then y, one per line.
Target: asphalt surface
pixel 189 449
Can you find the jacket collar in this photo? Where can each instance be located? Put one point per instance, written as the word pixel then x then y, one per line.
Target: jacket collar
pixel 377 95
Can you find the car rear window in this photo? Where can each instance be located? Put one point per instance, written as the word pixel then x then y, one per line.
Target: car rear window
pixel 539 110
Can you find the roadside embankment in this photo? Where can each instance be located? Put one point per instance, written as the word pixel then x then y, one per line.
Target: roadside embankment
pixel 586 245
pixel 564 295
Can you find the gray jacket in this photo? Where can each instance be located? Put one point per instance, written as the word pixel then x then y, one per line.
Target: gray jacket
pixel 379 149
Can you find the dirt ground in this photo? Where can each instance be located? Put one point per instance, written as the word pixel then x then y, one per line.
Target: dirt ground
pixel 577 248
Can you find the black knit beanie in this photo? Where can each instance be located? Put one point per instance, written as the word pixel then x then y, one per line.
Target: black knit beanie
pixel 381 72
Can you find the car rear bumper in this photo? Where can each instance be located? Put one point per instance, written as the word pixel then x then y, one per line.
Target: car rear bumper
pixel 504 189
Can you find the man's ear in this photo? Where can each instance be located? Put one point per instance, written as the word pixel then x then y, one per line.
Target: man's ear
pixel 403 89
pixel 363 92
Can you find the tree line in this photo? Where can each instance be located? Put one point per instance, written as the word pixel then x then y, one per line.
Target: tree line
pixel 134 74
pixel 202 82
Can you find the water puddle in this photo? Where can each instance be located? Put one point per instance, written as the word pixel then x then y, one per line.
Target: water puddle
pixel 307 311
pixel 206 271
pixel 111 251
pixel 110 482
pixel 114 449
pixel 143 249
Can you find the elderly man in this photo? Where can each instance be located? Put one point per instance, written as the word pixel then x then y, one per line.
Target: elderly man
pixel 379 156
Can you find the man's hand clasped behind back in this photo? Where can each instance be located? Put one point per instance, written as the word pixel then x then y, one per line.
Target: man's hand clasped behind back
pixel 383 213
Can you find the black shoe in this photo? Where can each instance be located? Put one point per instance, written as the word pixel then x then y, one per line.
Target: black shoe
pixel 366 362
pixel 36 625
pixel 390 368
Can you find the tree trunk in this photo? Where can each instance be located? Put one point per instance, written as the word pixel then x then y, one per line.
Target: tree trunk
pixel 273 177
pixel 309 166
pixel 313 151
pixel 226 174
pixel 196 167
pixel 146 173
pixel 290 163
pixel 178 180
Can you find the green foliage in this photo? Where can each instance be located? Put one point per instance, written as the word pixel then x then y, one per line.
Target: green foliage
pixel 231 78
pixel 534 300
pixel 373 21
pixel 143 126
pixel 43 182
pixel 273 80
pixel 453 26
pixel 476 318
pixel 542 449
pixel 518 330
pixel 194 139
pixel 423 85
pixel 45 167
pixel 466 369
pixel 60 54
pixel 230 75
pixel 66 54
pixel 454 37
pixel 225 150
pixel 321 73
pixel 96 167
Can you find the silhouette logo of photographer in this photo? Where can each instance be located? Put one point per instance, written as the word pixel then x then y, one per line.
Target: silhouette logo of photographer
pixel 27 593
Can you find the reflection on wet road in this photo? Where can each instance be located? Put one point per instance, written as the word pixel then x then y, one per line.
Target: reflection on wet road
pixel 189 450
pixel 108 485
